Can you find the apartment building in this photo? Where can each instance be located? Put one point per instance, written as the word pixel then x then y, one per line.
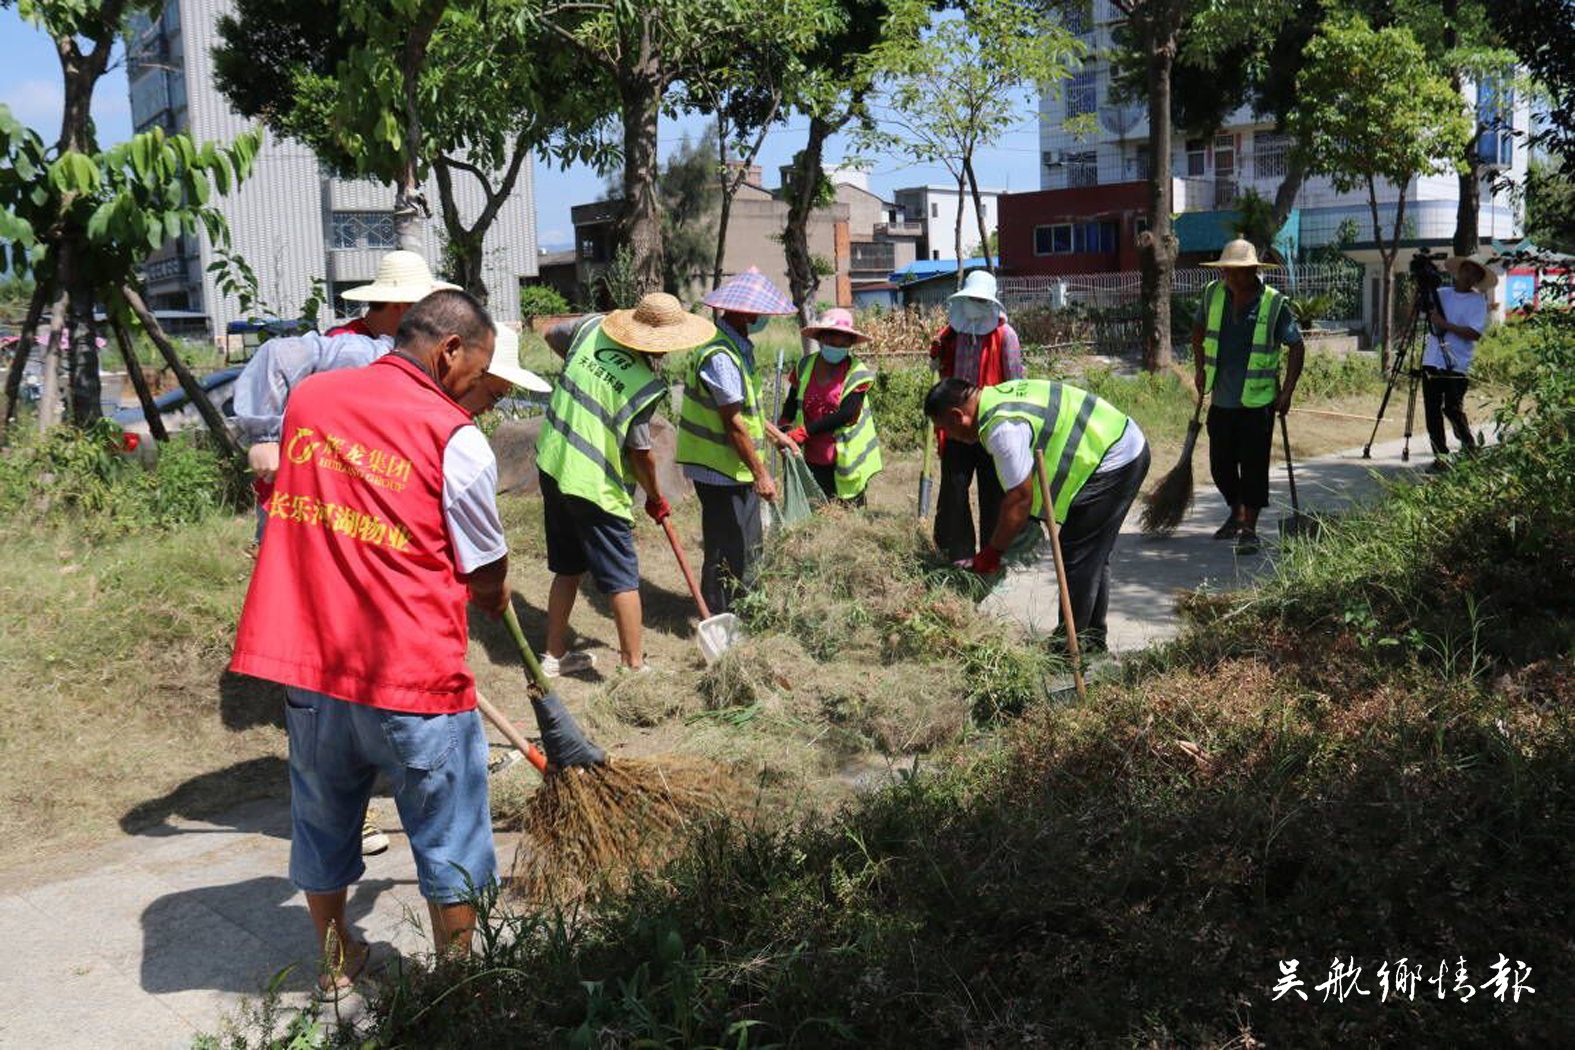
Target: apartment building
pixel 935 209
pixel 292 221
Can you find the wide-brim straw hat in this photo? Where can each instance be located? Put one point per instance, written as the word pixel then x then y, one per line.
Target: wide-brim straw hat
pixel 980 284
pixel 402 277
pixel 1240 253
pixel 506 363
pixel 837 320
pixel 749 293
pixel 1480 261
pixel 658 324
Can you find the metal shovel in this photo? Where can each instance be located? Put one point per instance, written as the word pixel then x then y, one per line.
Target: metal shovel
pixel 717 633
pixel 1298 524
pixel 926 484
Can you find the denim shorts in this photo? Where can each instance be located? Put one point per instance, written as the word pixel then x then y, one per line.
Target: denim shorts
pixel 581 538
pixel 437 765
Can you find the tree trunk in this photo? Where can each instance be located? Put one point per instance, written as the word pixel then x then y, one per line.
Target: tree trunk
pixel 469 245
pixel 85 384
pixel 1468 212
pixel 410 204
pixel 978 214
pixel 24 348
pixel 49 391
pixel 139 382
pixel 1157 248
pixel 957 231
pixel 199 397
pixel 802 279
pixel 641 95
pixel 1387 252
pixel 1285 195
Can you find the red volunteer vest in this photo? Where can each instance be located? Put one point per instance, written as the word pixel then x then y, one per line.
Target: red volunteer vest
pixel 355 592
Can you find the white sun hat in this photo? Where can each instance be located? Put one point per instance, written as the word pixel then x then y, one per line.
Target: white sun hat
pixel 402 277
pixel 506 363
pixel 1240 253
pixel 980 284
pixel 1480 261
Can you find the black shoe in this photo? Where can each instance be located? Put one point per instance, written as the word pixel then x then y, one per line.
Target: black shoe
pixel 1438 466
pixel 1228 530
pixel 1247 540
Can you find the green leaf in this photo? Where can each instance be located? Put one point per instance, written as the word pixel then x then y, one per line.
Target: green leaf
pixel 197 183
pixel 221 173
pixel 98 224
pixel 84 173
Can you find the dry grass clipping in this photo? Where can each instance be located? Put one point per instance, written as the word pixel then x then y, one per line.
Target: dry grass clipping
pixel 589 828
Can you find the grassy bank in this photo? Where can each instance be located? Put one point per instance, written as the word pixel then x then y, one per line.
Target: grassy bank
pixel 1368 759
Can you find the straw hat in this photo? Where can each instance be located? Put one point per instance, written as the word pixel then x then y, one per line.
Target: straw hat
pixel 658 324
pixel 979 285
pixel 837 320
pixel 402 277
pixel 1240 253
pixel 1479 259
pixel 749 293
pixel 506 363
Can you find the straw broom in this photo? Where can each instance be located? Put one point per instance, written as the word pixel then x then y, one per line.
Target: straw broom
pixel 1167 504
pixel 596 819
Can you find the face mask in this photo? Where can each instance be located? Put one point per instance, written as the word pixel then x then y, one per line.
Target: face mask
pixel 758 325
pixel 834 355
pixel 974 316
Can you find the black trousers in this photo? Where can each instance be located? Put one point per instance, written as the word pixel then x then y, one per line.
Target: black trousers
pixel 954 533
pixel 730 523
pixel 826 477
pixel 1093 522
pixel 1240 440
pixel 1443 397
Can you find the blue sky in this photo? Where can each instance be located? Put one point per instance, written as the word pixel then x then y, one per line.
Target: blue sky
pixel 30 86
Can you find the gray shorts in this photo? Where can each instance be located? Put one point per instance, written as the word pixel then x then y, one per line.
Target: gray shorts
pixel 582 537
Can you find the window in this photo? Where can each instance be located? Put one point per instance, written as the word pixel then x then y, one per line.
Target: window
pixel 1078 17
pixel 1224 156
pixel 1098 238
pixel 936 254
pixel 1496 117
pixel 1082 169
pixel 1194 157
pixel 1139 166
pixel 363 229
pixel 1272 155
pixel 1082 94
pixel 935 210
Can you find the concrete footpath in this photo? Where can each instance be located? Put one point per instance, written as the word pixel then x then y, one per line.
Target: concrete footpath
pixel 147 941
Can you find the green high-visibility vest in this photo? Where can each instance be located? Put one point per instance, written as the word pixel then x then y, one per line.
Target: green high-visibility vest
pixel 1263 363
pixel 702 436
pixel 604 386
pixel 1073 428
pixel 858 447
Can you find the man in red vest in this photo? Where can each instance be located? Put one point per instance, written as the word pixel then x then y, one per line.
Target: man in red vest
pixel 382 522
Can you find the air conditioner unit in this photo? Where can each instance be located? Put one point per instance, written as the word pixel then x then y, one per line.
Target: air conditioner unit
pixel 1053 158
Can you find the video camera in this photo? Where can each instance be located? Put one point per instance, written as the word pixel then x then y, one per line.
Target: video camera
pixel 1425 271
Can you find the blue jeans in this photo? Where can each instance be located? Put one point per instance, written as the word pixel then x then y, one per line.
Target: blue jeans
pixel 437 765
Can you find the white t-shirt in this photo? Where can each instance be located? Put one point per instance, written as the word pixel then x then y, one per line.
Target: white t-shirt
pixel 1011 445
pixel 470 502
pixel 1463 308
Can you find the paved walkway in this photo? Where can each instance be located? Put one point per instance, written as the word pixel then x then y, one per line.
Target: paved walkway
pixel 149 940
pixel 1148 573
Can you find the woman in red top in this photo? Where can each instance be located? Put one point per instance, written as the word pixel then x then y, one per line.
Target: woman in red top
pixel 832 386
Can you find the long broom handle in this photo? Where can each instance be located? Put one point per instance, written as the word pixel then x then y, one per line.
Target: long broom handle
pixel 531 664
pixel 924 469
pixel 1290 474
pixel 507 728
pixel 683 566
pixel 1060 575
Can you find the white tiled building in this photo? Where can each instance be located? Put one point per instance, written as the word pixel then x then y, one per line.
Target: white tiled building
pixel 291 221
pixel 935 207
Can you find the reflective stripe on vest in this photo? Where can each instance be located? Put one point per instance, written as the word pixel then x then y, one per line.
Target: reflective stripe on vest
pixel 604 385
pixel 1081 430
pixel 858 446
pixel 1263 362
pixel 702 436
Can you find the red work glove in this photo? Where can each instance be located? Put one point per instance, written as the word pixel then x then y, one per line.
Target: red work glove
pixel 658 509
pixel 799 435
pixel 987 561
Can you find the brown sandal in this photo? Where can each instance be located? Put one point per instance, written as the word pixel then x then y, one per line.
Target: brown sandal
pixel 340 980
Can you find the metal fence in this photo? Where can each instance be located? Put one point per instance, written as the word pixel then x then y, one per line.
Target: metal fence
pixel 1111 303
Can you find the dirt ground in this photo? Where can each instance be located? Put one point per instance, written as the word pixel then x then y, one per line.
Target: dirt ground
pixel 116 714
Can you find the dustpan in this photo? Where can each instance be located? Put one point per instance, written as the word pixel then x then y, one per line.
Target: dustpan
pixel 716 633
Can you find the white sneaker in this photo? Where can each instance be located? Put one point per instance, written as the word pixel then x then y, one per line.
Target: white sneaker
pixel 373 840
pixel 625 671
pixel 571 662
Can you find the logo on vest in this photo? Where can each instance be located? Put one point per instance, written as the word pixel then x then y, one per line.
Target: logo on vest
pixel 608 358
pixel 372 465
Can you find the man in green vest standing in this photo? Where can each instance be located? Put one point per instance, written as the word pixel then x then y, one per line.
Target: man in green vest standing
pixel 595 444
pixel 722 431
pixel 1096 458
pixel 1236 339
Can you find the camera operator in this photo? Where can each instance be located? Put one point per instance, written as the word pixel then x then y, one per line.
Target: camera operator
pixel 1460 314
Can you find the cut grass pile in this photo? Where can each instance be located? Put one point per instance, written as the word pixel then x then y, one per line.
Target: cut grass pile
pixel 1378 787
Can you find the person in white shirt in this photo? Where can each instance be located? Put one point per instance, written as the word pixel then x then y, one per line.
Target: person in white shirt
pixel 1460 318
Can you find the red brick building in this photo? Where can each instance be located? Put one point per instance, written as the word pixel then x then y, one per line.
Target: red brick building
pixel 1084 229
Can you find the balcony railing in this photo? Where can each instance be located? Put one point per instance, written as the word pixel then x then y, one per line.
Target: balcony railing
pixel 899 229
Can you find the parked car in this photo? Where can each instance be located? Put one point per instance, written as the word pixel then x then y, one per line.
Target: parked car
pixel 177 410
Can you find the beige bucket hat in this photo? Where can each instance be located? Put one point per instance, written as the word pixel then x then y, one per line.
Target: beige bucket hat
pixel 1489 279
pixel 402 277
pixel 506 363
pixel 658 324
pixel 1240 253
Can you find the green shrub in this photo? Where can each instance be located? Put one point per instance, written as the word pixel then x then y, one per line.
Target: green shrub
pixel 82 477
pixel 897 400
pixel 1504 352
pixel 538 300
pixel 1333 376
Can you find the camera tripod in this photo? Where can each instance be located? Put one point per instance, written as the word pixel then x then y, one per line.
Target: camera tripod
pixel 1411 333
